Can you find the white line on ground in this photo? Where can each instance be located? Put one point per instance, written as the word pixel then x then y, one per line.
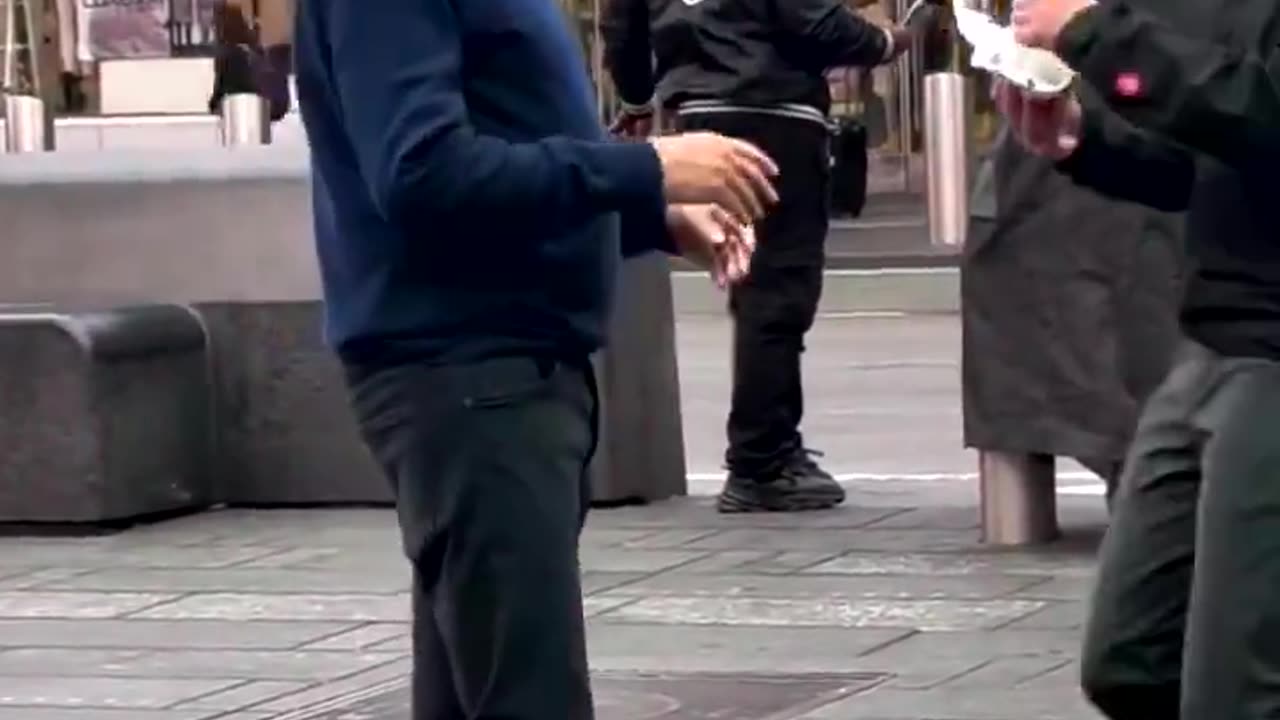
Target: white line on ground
pixel 861 314
pixel 856 272
pixel 891 477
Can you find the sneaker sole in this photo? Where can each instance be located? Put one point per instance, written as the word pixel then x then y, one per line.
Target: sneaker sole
pixel 729 503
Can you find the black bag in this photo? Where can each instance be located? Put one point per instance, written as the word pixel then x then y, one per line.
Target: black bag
pixel 848 168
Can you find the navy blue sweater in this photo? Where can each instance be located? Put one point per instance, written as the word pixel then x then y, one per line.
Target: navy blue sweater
pixel 467 200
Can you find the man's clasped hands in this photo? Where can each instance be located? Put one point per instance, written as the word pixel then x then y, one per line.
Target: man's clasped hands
pixel 717 189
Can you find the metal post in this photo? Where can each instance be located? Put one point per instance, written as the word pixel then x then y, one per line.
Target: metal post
pixel 947 156
pixel 1019 498
pixel 245 120
pixel 28 126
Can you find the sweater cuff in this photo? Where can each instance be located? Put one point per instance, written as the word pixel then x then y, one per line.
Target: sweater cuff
pixel 643 202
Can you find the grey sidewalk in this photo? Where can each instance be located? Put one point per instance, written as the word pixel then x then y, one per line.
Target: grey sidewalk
pixel 887 609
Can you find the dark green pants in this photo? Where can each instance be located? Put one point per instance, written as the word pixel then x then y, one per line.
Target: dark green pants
pixel 1186 615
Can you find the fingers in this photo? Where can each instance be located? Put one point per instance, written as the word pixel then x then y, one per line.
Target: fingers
pixel 748 193
pixel 756 156
pixel 735 199
pixel 749 181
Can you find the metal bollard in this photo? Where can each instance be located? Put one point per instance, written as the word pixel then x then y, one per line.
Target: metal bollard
pixel 245 120
pixel 1019 498
pixel 28 126
pixel 947 157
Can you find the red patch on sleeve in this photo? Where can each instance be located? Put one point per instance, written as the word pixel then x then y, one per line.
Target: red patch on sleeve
pixel 1128 85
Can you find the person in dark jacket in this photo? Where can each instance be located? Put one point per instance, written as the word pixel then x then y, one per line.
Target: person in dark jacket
pixel 756 69
pixel 1186 612
pixel 232 65
pixel 242 66
pixel 1069 308
pixel 467 219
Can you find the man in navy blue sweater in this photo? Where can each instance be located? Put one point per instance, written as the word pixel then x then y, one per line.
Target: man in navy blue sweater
pixel 467 213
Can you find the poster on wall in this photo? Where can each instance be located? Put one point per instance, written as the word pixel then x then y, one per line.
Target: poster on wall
pixel 122 29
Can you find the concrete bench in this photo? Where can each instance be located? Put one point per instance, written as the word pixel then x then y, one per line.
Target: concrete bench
pixel 228 233
pixel 105 415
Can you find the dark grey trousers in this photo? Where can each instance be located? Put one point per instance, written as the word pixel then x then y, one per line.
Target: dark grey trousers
pixel 489 466
pixel 1186 614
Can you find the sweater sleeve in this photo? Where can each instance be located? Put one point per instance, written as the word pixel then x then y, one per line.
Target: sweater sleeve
pixel 398 74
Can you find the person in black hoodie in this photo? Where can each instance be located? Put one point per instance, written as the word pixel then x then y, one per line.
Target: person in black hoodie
pixel 241 66
pixel 756 69
pixel 1185 622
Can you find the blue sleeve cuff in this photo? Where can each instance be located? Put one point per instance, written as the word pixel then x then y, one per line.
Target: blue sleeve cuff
pixel 644 211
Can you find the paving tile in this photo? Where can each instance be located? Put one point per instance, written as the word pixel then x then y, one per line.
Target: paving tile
pixel 361 637
pixel 648 648
pixel 974 648
pixel 254 580
pixel 36 578
pixel 699 512
pixel 944 703
pixel 665 539
pixel 596 581
pixel 597 536
pixel 988 563
pixel 834 612
pixel 86 554
pixel 44 604
pixel 596 559
pixel 765 562
pixel 109 693
pixel 197 664
pixel 1060 588
pixel 257 606
pixel 185 634
pixel 1003 673
pixel 824 539
pixel 36 713
pixel 964 587
pixel 245 695
pixel 1056 615
pixel 396 671
pixel 930 518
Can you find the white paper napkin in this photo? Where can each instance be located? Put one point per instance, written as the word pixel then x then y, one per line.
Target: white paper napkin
pixel 995 51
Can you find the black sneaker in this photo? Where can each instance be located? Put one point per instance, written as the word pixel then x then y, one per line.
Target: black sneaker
pixel 801 485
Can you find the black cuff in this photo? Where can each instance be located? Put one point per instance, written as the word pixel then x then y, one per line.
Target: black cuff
pixel 1078 36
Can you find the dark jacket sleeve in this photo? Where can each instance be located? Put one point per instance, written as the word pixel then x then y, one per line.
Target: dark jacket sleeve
pixel 628 54
pixel 832 35
pixel 398 71
pixel 1121 161
pixel 1214 99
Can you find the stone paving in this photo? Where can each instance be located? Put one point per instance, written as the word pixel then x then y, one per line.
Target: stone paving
pixel 887 609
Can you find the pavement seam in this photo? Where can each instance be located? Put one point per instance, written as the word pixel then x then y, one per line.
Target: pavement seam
pixel 703 555
pixel 201 696
pixel 329 636
pixel 907 634
pixel 1042 606
pixel 133 614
